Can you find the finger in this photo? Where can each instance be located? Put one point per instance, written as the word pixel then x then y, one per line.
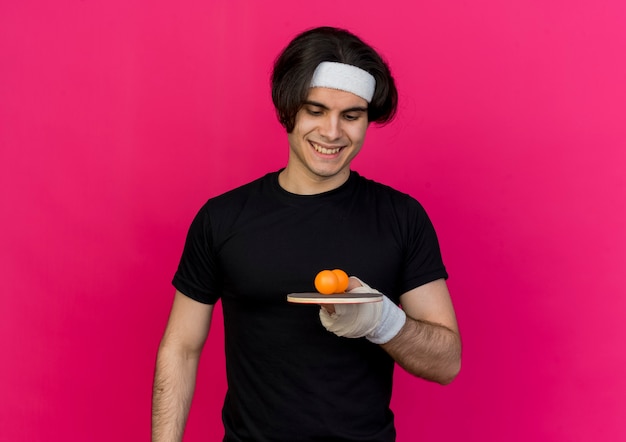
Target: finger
pixel 330 308
pixel 353 282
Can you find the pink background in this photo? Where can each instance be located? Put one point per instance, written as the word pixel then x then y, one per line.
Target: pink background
pixel 118 119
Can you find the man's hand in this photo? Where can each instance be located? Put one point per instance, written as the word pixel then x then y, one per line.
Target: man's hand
pixel 379 322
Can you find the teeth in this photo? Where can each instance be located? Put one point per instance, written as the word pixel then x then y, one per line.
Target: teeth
pixel 324 150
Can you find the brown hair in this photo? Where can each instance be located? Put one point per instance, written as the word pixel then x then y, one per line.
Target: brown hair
pixel 295 65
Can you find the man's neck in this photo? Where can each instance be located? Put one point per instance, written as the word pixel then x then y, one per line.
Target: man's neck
pixel 309 184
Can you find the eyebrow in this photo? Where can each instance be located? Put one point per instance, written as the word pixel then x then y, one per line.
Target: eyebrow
pixel 323 106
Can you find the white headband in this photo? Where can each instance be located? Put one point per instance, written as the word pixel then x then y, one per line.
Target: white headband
pixel 344 77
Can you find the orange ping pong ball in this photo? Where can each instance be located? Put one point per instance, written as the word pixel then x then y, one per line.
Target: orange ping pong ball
pixel 342 280
pixel 326 282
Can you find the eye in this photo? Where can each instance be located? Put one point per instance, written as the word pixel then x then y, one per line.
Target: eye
pixel 352 117
pixel 314 112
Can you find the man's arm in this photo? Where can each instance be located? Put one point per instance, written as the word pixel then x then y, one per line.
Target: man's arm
pixel 177 365
pixel 429 343
pixel 422 337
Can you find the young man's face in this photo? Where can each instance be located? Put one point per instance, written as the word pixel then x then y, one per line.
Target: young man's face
pixel 329 132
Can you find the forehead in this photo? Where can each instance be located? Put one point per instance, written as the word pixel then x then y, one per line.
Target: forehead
pixel 335 99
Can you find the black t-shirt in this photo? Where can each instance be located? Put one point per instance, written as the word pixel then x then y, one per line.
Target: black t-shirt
pixel 288 378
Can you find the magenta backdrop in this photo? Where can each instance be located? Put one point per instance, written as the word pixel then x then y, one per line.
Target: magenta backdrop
pixel 119 118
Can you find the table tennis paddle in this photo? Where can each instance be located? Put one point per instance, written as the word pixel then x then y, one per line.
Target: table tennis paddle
pixel 337 298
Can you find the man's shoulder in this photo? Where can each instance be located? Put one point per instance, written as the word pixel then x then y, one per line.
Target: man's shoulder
pixel 382 189
pixel 244 191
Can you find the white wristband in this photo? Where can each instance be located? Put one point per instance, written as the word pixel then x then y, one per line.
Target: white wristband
pixel 391 322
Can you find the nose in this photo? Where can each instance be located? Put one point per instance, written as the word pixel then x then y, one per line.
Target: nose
pixel 331 127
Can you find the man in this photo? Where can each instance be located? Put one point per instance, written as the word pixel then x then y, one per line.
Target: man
pixel 305 372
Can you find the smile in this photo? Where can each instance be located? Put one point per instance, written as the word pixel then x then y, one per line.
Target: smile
pixel 325 150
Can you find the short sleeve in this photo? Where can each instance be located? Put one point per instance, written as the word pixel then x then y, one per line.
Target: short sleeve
pixel 197 275
pixel 423 262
